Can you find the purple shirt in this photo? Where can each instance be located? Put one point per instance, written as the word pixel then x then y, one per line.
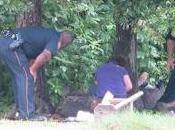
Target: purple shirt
pixel 110 78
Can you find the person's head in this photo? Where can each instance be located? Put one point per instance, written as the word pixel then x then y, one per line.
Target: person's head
pixel 170 38
pixel 66 38
pixel 170 35
pixel 120 60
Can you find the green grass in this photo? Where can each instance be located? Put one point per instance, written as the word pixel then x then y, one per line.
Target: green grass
pixel 119 121
pixel 138 121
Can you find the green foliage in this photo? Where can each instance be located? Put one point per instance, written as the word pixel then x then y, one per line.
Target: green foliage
pixel 5 79
pixel 150 20
pixel 151 34
pixel 5 88
pixel 8 10
pixel 92 22
pixel 128 12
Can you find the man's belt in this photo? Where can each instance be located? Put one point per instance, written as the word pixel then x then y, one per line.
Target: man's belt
pixel 17 42
pixel 17 38
pixel 7 34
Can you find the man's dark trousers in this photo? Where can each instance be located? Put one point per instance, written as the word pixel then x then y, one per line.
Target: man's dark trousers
pixel 22 80
pixel 169 94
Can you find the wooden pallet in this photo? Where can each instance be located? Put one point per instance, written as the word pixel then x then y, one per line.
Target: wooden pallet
pixel 109 105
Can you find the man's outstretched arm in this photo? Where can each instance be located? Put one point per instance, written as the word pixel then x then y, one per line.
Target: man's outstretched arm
pixel 39 61
pixel 170 51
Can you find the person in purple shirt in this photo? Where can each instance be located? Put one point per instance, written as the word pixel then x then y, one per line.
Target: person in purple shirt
pixel 112 77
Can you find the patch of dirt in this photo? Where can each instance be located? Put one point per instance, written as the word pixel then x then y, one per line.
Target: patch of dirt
pixel 50 117
pixel 55 117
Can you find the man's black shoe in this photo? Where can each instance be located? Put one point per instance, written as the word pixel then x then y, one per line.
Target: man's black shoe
pixel 37 118
pixel 33 117
pixel 19 117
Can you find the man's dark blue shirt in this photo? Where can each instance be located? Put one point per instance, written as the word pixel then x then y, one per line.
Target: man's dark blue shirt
pixel 37 38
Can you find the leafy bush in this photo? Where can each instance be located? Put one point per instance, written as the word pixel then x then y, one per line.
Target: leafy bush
pixel 92 22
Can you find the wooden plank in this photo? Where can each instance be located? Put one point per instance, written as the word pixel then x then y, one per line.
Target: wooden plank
pixel 115 101
pixel 102 110
pixel 129 100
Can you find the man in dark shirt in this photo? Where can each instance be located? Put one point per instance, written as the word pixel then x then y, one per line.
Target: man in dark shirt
pixel 168 98
pixel 170 41
pixel 39 45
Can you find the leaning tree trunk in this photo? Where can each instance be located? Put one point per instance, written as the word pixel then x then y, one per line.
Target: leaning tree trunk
pixel 126 45
pixel 32 16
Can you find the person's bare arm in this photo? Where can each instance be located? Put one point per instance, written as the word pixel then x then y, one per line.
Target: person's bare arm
pixel 170 51
pixel 127 82
pixel 39 61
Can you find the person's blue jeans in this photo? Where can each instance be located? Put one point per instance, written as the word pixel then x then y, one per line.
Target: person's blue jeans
pixel 23 84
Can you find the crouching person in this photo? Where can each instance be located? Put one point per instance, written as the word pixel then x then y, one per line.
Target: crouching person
pixel 152 93
pixel 112 77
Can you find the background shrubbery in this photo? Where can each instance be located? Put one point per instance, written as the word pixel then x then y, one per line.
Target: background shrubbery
pixel 93 23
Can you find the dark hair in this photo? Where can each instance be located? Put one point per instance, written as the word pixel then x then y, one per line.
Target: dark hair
pixel 120 60
pixel 67 38
pixel 169 35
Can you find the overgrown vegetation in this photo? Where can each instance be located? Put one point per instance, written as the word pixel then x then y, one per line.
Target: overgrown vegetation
pixel 94 24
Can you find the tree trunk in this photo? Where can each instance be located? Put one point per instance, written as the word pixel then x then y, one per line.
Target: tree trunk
pixel 126 45
pixel 32 16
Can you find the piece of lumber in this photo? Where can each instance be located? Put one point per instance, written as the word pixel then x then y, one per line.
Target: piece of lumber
pixel 130 99
pixel 107 109
pixel 115 101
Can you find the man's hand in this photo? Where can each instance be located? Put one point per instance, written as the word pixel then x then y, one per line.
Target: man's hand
pixel 38 62
pixel 170 63
pixel 34 74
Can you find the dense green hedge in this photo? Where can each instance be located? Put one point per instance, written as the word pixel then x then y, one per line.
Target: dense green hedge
pixel 93 23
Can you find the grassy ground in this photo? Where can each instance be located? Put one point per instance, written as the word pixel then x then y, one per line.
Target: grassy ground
pixel 139 121
pixel 120 121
